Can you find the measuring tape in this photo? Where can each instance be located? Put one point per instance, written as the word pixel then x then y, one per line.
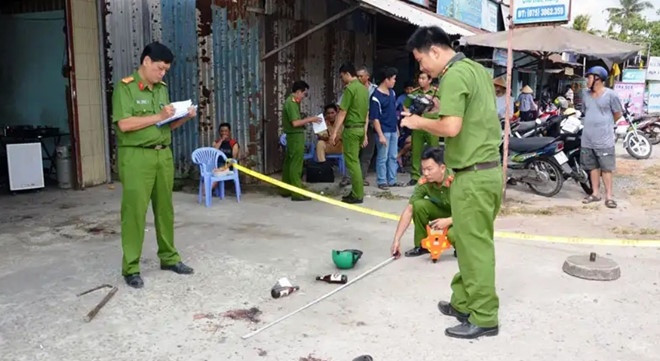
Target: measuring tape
pixel 498 234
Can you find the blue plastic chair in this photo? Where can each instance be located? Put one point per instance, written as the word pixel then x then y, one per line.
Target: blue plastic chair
pixel 207 159
pixel 311 154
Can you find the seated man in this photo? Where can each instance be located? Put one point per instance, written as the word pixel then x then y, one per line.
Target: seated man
pixel 323 146
pixel 429 203
pixel 226 143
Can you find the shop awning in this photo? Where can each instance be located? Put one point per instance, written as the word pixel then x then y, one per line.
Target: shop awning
pixel 418 16
pixel 558 39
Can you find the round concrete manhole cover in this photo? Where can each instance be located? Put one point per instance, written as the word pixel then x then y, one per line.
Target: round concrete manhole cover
pixel 592 267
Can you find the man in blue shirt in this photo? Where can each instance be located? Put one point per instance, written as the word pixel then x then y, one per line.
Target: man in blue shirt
pixel 382 113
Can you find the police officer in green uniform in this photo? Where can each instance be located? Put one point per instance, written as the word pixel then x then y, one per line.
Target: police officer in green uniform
pixel 294 127
pixel 429 203
pixel 146 170
pixel 468 121
pixel 353 112
pixel 420 137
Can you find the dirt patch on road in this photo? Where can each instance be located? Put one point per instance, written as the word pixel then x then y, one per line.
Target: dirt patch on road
pixel 310 358
pixel 517 207
pixel 629 231
pixel 646 193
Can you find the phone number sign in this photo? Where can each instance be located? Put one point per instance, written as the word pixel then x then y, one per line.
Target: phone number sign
pixel 541 11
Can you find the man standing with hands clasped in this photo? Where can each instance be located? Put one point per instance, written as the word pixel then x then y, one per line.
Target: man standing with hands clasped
pixel 146 169
pixel 468 120
pixel 601 110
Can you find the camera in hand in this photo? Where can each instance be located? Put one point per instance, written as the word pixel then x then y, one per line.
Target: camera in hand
pixel 420 104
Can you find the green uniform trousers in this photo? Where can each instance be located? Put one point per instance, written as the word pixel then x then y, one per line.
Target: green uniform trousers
pixel 419 138
pixel 352 139
pixel 146 174
pixel 475 200
pixel 425 211
pixel 293 162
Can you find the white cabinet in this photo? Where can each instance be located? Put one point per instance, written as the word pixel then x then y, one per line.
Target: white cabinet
pixel 25 163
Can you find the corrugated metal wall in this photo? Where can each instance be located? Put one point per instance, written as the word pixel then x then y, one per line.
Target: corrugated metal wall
pixel 315 59
pixel 217 65
pixel 218 46
pixel 179 33
pixel 236 60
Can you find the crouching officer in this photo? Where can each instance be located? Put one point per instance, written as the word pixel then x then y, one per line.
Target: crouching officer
pixel 146 170
pixel 429 203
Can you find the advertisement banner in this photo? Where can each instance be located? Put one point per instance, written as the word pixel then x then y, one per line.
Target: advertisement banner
pixel 653 71
pixel 632 93
pixel 489 15
pixel 634 76
pixel 541 11
pixel 466 11
pixel 654 97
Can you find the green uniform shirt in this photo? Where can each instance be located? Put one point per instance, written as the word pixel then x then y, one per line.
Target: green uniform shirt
pixel 438 194
pixel 290 113
pixel 355 101
pixel 132 98
pixel 466 91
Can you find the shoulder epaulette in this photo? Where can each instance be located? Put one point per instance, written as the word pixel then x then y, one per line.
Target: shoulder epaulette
pixel 449 180
pixel 127 79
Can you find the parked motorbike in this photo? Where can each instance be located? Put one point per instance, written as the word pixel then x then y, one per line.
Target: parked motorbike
pixel 650 126
pixel 569 130
pixel 537 162
pixel 634 140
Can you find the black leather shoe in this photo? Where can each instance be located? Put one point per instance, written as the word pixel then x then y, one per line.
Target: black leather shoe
pixel 470 331
pixel 417 251
pixel 179 268
pixel 448 310
pixel 351 200
pixel 134 280
pixel 364 358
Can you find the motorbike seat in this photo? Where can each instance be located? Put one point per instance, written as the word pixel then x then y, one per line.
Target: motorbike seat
pixel 525 127
pixel 525 145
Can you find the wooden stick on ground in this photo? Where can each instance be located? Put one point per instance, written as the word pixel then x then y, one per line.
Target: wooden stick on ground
pixel 105 300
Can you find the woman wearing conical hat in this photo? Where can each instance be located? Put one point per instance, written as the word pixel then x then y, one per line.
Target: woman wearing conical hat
pixel 527 105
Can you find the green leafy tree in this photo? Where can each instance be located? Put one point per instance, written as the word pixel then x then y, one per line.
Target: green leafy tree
pixel 581 22
pixel 626 17
pixel 654 37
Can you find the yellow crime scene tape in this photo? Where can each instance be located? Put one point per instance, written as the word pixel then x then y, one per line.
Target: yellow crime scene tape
pixel 498 234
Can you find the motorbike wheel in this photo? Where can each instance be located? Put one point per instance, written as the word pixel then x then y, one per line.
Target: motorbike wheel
pixel 638 145
pixel 653 133
pixel 582 175
pixel 554 173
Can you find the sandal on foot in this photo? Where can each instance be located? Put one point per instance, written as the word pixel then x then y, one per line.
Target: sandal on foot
pixel 591 199
pixel 610 203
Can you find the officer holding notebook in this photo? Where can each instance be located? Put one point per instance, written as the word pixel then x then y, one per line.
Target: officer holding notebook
pixel 146 169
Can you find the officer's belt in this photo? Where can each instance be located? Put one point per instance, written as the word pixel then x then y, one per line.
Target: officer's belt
pixel 156 147
pixel 478 166
pixel 354 126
